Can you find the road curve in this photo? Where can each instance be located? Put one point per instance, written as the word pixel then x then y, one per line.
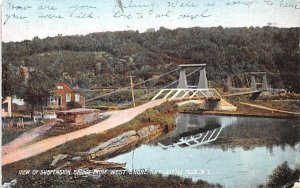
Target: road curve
pixel 117 118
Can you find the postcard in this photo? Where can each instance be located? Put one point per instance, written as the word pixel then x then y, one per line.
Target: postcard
pixel 150 93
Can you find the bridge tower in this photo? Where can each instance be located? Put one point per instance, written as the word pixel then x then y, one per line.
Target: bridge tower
pixel 202 84
pixel 202 79
pixel 253 83
pixel 182 79
pixel 264 83
pixel 228 82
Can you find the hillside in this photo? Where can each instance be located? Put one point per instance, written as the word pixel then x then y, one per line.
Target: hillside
pixel 107 59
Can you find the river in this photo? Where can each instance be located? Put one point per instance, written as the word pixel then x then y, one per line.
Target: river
pixel 230 166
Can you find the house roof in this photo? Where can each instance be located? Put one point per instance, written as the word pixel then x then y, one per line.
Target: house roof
pixel 65 85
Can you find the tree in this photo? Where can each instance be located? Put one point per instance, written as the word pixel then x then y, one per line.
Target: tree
pixel 12 81
pixel 38 89
pixel 281 175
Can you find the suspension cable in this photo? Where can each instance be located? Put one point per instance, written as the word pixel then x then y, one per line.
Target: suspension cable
pixel 126 88
pixel 107 94
pixel 156 77
pixel 142 97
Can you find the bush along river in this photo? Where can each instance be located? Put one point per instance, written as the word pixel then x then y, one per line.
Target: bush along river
pixel 229 150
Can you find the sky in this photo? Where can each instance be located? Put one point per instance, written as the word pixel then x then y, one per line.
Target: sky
pixel 25 19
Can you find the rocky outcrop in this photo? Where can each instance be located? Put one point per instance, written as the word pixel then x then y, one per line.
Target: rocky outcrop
pixel 125 142
pixel 114 142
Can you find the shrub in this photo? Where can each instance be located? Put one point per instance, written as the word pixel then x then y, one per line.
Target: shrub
pixel 281 175
pixel 73 104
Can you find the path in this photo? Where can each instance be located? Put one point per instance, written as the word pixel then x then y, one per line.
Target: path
pixel 117 118
pixel 241 93
pixel 26 137
pixel 270 109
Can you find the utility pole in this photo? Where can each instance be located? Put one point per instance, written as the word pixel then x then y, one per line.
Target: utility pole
pixel 132 92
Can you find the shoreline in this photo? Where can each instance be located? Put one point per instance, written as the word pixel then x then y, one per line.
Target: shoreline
pixel 245 110
pixel 162 115
pixel 226 113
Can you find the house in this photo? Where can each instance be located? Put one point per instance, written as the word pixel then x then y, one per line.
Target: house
pixel 65 98
pixel 6 107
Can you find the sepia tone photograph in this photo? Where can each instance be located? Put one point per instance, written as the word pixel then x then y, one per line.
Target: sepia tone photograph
pixel 150 93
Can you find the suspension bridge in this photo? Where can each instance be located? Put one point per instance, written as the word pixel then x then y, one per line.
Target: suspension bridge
pixel 254 88
pixel 180 89
pixel 117 118
pixel 171 91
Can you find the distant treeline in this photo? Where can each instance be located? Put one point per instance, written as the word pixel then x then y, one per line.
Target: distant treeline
pixel 108 58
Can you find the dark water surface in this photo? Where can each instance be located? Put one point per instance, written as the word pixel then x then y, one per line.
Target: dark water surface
pixel 233 167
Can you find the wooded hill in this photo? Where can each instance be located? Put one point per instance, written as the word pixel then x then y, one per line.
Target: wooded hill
pixel 106 59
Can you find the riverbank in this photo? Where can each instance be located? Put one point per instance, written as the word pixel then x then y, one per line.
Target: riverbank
pixel 111 180
pixel 244 110
pixel 162 115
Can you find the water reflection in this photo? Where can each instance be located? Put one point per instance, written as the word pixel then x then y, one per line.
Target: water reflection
pixel 192 122
pixel 234 167
pixel 247 130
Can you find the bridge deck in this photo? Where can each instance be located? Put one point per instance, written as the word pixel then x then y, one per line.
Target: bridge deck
pixel 186 93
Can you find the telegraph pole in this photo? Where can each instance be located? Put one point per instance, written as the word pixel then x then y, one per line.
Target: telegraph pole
pixel 132 92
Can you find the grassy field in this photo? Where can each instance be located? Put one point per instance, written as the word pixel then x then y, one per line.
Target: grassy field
pixel 292 106
pixel 115 181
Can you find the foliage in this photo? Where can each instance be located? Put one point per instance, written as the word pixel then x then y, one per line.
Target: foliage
pixel 73 104
pixel 38 89
pixel 12 81
pixel 282 175
pixel 126 180
pixel 107 59
pixel 162 114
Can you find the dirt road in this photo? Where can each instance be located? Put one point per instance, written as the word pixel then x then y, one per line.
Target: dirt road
pixel 270 109
pixel 26 137
pixel 117 118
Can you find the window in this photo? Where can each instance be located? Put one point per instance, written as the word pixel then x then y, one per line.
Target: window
pixel 77 97
pixel 68 97
pixel 60 87
pixel 52 99
pixel 5 107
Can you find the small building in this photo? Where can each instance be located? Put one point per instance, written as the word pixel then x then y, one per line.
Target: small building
pixel 65 98
pixel 6 107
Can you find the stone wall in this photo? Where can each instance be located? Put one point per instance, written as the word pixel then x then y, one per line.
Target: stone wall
pixel 78 116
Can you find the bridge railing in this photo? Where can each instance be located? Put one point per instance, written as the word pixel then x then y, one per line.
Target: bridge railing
pixel 195 140
pixel 186 93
